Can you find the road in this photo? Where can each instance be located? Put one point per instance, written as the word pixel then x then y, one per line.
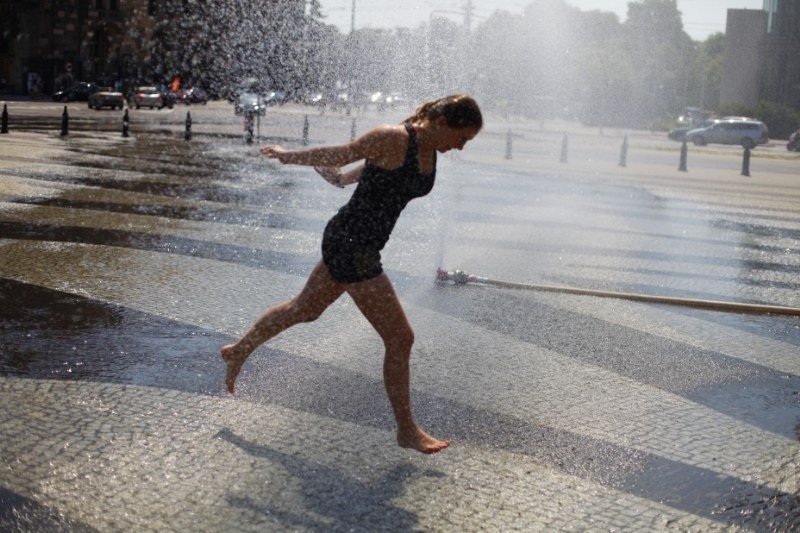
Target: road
pixel 127 262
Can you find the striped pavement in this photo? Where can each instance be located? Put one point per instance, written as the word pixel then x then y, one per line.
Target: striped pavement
pixel 126 263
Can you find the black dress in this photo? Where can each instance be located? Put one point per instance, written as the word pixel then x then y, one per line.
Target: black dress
pixel 355 236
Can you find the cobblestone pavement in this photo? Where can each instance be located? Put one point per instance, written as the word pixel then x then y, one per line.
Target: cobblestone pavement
pixel 126 263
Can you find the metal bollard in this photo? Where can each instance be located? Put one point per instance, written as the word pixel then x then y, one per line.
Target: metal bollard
pixel 684 151
pixel 564 143
pixel 508 144
pixel 746 162
pixel 187 135
pixel 305 131
pixel 623 156
pixel 4 128
pixel 352 129
pixel 126 124
pixel 64 123
pixel 249 126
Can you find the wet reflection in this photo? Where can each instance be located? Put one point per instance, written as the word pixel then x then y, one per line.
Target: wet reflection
pixel 153 242
pixel 188 212
pixel 52 335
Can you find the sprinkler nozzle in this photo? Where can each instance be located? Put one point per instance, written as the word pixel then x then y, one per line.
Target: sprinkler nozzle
pixel 459 277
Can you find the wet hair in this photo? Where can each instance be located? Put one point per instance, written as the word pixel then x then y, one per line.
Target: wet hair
pixel 459 110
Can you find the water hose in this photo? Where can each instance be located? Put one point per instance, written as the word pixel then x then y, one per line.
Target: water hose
pixel 459 277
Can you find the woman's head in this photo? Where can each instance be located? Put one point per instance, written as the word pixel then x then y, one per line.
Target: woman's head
pixel 458 110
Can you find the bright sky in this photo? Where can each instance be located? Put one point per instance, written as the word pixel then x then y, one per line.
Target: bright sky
pixel 701 18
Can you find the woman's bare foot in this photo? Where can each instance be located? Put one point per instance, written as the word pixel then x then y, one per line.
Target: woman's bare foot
pixel 234 362
pixel 416 439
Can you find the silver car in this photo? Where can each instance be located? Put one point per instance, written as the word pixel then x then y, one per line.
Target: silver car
pixel 150 96
pixel 747 133
pixel 249 103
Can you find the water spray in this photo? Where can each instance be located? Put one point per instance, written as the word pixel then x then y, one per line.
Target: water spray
pixel 459 277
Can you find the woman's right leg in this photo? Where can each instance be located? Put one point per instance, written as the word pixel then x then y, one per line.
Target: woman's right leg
pixel 320 291
pixel 378 302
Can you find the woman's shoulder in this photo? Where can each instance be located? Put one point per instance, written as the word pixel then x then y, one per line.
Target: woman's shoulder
pixel 381 139
pixel 388 132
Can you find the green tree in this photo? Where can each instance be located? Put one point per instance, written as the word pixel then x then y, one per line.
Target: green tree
pixel 706 73
pixel 660 54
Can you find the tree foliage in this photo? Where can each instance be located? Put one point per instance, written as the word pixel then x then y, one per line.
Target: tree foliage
pixel 552 60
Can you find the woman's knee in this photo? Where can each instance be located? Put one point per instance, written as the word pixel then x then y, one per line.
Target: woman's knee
pixel 401 339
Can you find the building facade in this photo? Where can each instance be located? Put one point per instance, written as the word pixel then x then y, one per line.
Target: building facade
pixel 49 44
pixel 762 55
pixel 780 52
pixel 741 66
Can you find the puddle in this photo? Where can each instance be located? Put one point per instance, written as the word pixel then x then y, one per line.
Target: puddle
pixel 47 334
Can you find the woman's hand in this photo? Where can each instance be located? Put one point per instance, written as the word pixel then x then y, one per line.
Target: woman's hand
pixel 273 151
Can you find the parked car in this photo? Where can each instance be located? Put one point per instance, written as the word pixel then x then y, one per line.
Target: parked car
pixel 150 96
pixel 167 95
pixel 106 97
pixel 76 92
pixel 275 98
pixel 679 133
pixel 250 103
pixel 192 95
pixel 748 133
pixel 794 142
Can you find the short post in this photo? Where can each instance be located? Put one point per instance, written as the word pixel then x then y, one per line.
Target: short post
pixel 4 127
pixel 684 151
pixel 564 144
pixel 64 123
pixel 508 144
pixel 126 123
pixel 352 128
pixel 746 162
pixel 305 131
pixel 249 124
pixel 623 156
pixel 188 133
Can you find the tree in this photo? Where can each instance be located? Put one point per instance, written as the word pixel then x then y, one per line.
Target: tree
pixel 706 72
pixel 659 51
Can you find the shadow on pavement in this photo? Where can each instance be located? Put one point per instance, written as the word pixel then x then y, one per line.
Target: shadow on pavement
pixel 343 502
pixel 18 513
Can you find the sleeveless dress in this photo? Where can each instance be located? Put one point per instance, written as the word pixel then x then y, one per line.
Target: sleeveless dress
pixel 355 236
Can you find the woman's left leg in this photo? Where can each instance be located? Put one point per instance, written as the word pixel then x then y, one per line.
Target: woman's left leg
pixel 319 292
pixel 378 302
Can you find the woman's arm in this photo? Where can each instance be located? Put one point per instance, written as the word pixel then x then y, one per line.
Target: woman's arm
pixel 334 175
pixel 326 156
pixel 384 143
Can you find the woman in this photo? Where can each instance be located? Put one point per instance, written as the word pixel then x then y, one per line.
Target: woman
pixel 399 165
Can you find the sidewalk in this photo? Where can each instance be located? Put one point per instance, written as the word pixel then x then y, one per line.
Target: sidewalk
pixel 565 412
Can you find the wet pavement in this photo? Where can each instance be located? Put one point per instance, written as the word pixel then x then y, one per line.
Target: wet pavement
pixel 126 263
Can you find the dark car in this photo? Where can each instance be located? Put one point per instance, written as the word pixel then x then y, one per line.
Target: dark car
pixel 77 92
pixel 275 97
pixel 794 142
pixel 192 95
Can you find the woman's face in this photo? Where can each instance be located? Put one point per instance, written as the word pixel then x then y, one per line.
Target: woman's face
pixel 455 138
